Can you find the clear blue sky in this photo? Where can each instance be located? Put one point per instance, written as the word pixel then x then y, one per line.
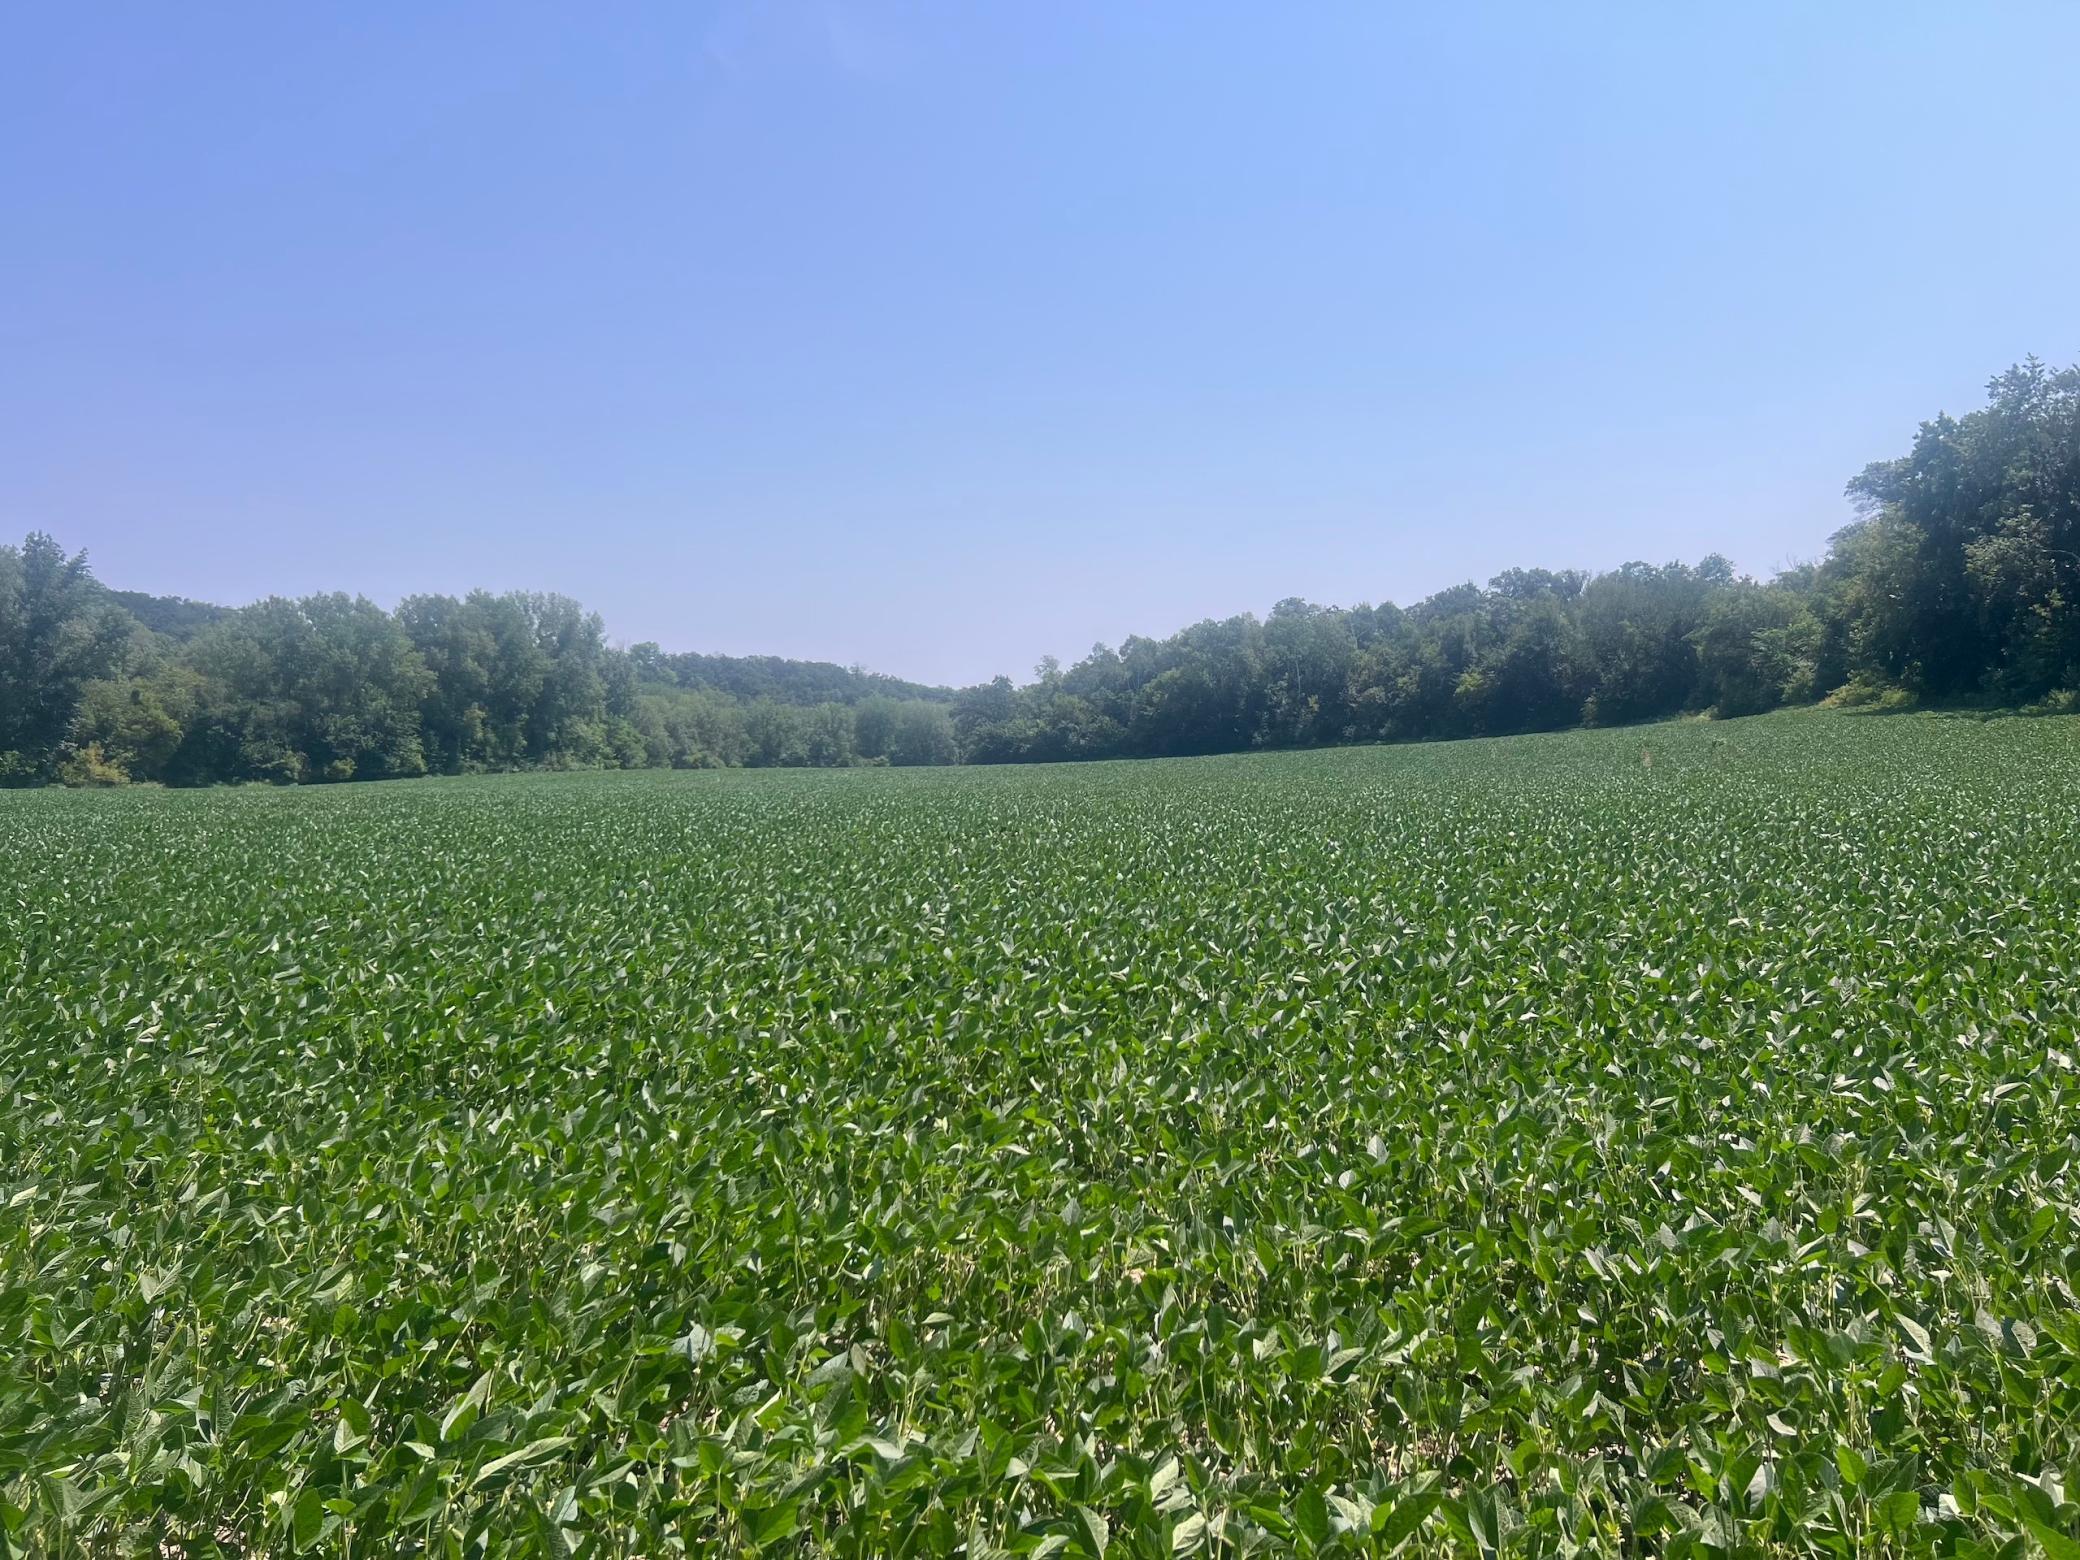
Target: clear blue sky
pixel 943 337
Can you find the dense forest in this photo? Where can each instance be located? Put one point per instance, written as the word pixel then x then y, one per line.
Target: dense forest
pixel 1960 581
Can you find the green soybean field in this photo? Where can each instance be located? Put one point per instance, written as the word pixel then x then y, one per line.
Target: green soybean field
pixel 1646 1142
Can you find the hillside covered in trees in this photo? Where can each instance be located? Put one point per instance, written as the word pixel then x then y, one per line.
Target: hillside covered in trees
pixel 1960 581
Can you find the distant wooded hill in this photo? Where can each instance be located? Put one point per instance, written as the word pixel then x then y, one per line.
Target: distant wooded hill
pixel 178 618
pixel 751 677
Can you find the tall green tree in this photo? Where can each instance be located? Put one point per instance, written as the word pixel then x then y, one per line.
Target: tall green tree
pixel 325 688
pixel 1970 554
pixel 59 632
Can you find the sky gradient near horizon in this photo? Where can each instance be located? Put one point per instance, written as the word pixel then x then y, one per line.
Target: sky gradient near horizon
pixel 938 338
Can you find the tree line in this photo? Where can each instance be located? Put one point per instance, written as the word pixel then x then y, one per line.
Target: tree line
pixel 1960 580
pixel 102 687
